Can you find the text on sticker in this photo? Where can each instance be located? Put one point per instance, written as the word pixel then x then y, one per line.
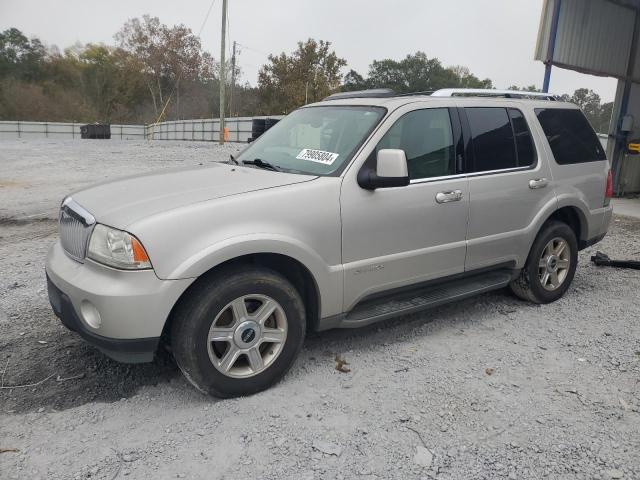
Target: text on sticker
pixel 319 156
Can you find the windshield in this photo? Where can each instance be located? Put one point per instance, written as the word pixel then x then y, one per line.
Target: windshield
pixel 315 140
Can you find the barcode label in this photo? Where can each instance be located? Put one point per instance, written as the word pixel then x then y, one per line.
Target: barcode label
pixel 318 156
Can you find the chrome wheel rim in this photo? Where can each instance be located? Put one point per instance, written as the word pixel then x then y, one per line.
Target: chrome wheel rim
pixel 247 336
pixel 554 264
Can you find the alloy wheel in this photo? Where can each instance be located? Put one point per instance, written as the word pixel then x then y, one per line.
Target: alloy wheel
pixel 247 336
pixel 554 264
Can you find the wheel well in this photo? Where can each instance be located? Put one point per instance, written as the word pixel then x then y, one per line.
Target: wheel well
pixel 288 267
pixel 572 217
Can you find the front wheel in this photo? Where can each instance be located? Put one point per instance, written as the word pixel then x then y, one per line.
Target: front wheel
pixel 238 331
pixel 550 266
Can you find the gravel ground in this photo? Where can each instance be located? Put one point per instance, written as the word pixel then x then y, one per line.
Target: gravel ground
pixel 488 388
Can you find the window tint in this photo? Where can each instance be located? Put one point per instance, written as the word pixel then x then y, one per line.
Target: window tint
pixel 524 142
pixel 570 136
pixel 493 142
pixel 427 140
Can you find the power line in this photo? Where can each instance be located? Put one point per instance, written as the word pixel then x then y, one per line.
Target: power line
pixel 253 49
pixel 206 17
pixel 204 22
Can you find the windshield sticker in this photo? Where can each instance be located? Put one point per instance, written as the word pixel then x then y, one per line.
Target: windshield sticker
pixel 318 156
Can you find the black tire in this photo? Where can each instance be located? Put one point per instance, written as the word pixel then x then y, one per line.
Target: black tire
pixel 208 297
pixel 528 285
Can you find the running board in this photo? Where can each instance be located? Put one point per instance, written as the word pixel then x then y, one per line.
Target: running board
pixel 375 310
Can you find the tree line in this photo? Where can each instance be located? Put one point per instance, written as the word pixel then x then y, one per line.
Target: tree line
pixel 154 71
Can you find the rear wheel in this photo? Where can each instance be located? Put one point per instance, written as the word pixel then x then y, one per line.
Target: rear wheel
pixel 238 331
pixel 550 266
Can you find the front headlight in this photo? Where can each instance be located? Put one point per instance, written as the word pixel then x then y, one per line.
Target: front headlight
pixel 117 249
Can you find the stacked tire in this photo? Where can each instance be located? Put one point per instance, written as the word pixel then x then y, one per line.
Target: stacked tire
pixel 261 125
pixel 96 131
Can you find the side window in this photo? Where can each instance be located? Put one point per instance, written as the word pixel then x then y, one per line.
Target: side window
pixel 427 140
pixel 571 138
pixel 493 139
pixel 524 142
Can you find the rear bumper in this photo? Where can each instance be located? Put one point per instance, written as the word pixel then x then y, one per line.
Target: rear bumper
pixel 592 241
pixel 130 350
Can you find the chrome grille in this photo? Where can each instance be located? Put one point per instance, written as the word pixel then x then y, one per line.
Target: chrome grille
pixel 76 225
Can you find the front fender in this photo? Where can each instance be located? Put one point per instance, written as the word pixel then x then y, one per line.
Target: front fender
pixel 328 278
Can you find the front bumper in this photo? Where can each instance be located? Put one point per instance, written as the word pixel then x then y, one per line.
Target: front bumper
pixel 128 350
pixel 122 313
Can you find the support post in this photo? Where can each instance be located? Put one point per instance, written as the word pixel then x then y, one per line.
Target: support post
pixel 551 46
pixel 621 138
pixel 233 79
pixel 222 72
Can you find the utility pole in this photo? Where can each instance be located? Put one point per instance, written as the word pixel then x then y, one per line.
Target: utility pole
pixel 233 79
pixel 222 73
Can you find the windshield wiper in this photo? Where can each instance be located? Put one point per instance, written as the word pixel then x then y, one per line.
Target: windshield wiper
pixel 232 159
pixel 261 164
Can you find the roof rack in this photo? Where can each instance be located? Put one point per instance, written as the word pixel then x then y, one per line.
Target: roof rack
pixel 372 93
pixel 411 94
pixel 479 92
pixel 445 92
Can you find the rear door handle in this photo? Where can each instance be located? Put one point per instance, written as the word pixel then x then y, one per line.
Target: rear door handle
pixel 450 196
pixel 538 183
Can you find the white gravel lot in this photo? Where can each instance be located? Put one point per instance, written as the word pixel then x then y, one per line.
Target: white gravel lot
pixel 488 388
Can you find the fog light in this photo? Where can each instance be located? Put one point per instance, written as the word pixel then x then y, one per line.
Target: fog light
pixel 90 314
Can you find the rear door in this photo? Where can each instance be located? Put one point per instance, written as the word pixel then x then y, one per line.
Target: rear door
pixel 509 184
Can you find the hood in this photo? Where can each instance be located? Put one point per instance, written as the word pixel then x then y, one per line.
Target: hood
pixel 121 202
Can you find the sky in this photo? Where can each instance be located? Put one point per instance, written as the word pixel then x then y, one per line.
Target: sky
pixel 494 38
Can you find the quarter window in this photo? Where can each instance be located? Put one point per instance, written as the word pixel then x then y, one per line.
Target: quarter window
pixel 524 142
pixel 570 136
pixel 427 140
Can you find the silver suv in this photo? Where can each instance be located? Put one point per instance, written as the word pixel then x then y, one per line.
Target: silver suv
pixel 349 211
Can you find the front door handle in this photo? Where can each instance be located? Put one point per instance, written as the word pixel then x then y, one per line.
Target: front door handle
pixel 451 196
pixel 538 183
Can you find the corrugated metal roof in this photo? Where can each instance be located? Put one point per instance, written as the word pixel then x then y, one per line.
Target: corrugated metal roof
pixel 594 36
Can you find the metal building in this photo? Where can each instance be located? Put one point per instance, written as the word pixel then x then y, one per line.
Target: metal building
pixel 600 37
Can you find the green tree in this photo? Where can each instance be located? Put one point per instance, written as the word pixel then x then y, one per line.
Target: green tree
pixel 530 88
pixel 112 79
pixel 307 75
pixel 168 57
pixel 20 57
pixel 598 113
pixel 354 81
pixel 414 73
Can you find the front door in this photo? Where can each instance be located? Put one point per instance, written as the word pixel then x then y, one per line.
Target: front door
pixel 395 237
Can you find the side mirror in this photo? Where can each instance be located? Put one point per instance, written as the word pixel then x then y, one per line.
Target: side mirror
pixel 391 171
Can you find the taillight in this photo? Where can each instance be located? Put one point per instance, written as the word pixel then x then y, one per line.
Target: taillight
pixel 608 191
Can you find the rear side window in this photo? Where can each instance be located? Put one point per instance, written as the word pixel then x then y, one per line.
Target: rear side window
pixel 501 139
pixel 524 142
pixel 571 138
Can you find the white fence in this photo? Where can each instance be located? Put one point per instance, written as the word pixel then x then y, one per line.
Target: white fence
pixel 205 129
pixel 28 130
